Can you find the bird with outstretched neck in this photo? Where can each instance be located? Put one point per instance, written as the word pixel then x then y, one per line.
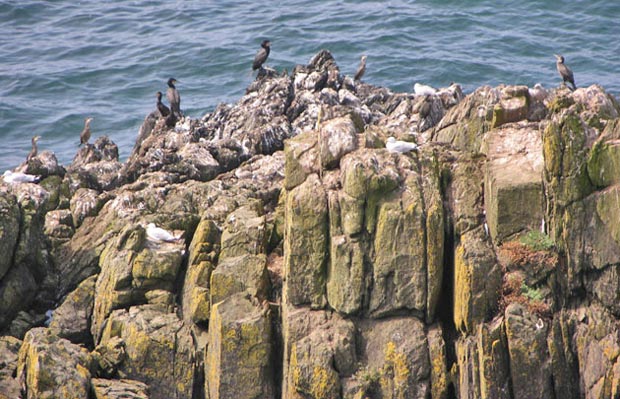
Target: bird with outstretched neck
pixel 565 71
pixel 361 70
pixel 85 135
pixel 35 150
pixel 262 55
pixel 174 98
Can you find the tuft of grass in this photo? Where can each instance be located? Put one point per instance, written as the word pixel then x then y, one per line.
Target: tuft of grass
pixel 533 294
pixel 537 241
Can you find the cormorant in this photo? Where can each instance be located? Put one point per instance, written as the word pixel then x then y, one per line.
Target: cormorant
pixel 85 135
pixel 361 69
pixel 34 150
pixel 262 55
pixel 161 107
pixel 174 98
pixel 565 72
pixel 171 119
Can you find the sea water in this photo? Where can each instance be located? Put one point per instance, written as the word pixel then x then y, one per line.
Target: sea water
pixel 61 61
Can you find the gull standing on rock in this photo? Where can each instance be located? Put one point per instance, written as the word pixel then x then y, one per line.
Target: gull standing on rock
pixel 85 135
pixel 158 234
pixel 19 177
pixel 161 107
pixel 394 145
pixel 538 92
pixel 261 56
pixel 174 98
pixel 565 71
pixel 361 69
pixel 422 90
pixel 35 150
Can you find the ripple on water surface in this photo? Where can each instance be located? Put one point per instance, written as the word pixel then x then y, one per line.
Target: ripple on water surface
pixel 64 60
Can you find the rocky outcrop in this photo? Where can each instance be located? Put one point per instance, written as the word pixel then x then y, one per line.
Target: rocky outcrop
pixel 311 262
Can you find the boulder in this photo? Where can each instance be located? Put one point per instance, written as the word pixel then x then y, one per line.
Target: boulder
pixel 240 274
pixel 9 229
pixel 477 281
pixel 71 320
pixel 238 359
pixel 9 348
pixel 52 367
pixel 306 243
pixel 319 353
pixel 158 350
pixel 119 389
pixel 530 369
pixel 513 201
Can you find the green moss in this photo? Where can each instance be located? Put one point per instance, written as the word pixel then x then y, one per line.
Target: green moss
pixel 537 241
pixel 533 294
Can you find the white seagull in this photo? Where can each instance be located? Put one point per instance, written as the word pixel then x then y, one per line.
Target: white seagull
pixel 423 90
pixel 158 234
pixel 394 145
pixel 19 177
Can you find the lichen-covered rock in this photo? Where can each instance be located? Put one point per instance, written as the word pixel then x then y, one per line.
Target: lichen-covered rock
pixel 71 320
pixel 530 370
pixel 244 232
pixel 306 243
pixel 96 166
pixel 319 351
pixel 598 352
pixel 52 367
pixel 399 271
pixel 158 347
pixel 9 229
pixel 398 348
pixel 130 267
pixel 44 164
pixel 108 356
pixel 477 279
pixel 337 137
pixel 85 202
pixel 246 273
pixel 203 254
pixel 468 378
pixel 493 360
pixel 513 201
pixel 438 363
pixel 238 359
pixel 465 124
pixel 302 159
pixel 512 106
pixel 59 225
pixel 604 158
pixel 9 348
pixel 17 290
pixel 119 389
pixel 346 282
pixel 563 358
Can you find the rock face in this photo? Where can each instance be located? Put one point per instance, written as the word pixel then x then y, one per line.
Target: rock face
pixel 313 263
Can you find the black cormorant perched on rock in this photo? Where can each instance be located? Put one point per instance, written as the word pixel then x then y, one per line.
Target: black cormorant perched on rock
pixel 34 151
pixel 85 135
pixel 262 55
pixel 161 107
pixel 171 119
pixel 361 69
pixel 174 98
pixel 565 72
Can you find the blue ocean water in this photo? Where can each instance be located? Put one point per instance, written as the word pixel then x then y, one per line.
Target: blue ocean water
pixel 64 60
